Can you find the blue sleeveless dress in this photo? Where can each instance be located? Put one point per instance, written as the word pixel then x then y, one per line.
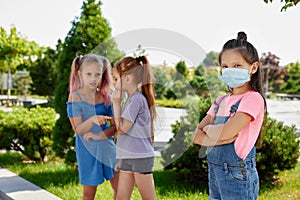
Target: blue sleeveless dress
pixel 96 159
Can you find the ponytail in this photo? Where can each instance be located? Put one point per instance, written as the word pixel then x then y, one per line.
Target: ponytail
pixel 104 86
pixel 140 67
pixel 148 91
pixel 74 79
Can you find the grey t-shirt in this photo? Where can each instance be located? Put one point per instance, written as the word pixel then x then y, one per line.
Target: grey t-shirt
pixel 136 143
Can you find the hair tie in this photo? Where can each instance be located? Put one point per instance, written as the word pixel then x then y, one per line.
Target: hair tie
pixel 139 60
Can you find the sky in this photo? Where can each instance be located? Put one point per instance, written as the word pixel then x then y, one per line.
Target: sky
pixel 208 24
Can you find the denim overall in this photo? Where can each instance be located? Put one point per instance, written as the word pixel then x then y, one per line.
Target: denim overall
pixel 231 177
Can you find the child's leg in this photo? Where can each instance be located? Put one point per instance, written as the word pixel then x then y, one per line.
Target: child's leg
pixel 145 184
pixel 125 185
pixel 114 184
pixel 89 192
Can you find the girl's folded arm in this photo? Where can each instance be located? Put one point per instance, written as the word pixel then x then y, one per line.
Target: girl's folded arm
pixel 228 130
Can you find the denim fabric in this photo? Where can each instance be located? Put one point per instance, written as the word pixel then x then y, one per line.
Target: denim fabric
pixel 229 176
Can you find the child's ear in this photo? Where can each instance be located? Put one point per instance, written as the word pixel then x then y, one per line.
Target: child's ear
pixel 255 66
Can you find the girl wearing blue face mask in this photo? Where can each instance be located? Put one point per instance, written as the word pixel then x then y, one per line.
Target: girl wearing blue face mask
pixel 231 128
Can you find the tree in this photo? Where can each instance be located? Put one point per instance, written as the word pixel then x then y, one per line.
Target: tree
pixel 43 73
pixel 270 64
pixel 292 83
pixel 87 32
pixel 211 59
pixel 22 81
pixel 287 3
pixel 198 82
pixel 205 81
pixel 15 50
pixel 161 81
pixel 182 71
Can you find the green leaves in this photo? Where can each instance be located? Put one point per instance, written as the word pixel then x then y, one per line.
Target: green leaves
pixel 287 3
pixel 292 79
pixel 28 131
pixel 15 49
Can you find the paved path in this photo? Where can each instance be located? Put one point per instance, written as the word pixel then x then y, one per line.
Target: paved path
pixel 287 111
pixel 15 187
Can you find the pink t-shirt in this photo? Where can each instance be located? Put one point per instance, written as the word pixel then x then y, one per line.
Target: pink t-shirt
pixel 251 103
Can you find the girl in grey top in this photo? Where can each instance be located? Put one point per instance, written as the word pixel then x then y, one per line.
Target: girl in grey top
pixel 135 127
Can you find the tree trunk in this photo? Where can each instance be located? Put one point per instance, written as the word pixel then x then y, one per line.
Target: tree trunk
pixel 8 83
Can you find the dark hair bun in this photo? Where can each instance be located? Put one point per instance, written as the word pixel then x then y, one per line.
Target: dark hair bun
pixel 242 36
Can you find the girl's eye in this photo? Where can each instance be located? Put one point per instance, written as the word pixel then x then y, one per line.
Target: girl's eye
pixel 98 74
pixel 224 66
pixel 237 66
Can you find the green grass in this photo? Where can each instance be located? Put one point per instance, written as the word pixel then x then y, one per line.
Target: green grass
pixel 62 180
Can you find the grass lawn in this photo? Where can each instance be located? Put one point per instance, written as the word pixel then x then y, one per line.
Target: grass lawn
pixel 62 181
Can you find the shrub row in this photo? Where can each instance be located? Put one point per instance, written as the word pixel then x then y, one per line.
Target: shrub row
pixel 28 131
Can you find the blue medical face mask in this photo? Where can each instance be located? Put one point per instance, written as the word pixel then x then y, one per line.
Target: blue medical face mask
pixel 234 77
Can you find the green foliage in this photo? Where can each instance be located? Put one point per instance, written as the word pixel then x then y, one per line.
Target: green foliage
pixel 292 83
pixel 171 103
pixel 43 73
pixel 178 90
pixel 215 85
pixel 181 155
pixel 22 81
pixel 205 81
pixel 279 151
pixel 211 59
pixel 87 34
pixel 280 147
pixel 199 85
pixel 28 131
pixel 182 71
pixel 15 50
pixel 287 3
pixel 161 82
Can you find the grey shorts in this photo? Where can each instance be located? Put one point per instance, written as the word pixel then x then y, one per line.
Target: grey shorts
pixel 140 165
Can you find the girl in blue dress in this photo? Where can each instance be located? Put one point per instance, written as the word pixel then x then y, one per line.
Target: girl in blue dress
pixel 90 112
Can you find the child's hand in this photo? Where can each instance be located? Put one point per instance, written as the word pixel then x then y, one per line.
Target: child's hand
pixel 118 165
pixel 117 96
pixel 100 119
pixel 89 135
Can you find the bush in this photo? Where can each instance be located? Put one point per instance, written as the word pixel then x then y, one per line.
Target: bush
pixel 279 151
pixel 28 131
pixel 181 155
pixel 172 103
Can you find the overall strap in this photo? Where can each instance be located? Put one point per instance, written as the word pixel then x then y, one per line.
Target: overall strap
pixel 76 92
pixel 235 106
pixel 216 109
